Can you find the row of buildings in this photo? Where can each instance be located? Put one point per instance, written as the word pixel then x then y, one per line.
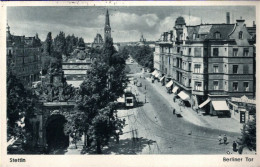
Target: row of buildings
pixel 207 64
pixel 24 56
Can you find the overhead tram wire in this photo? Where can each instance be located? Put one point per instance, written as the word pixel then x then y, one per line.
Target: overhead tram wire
pixel 184 136
pixel 184 140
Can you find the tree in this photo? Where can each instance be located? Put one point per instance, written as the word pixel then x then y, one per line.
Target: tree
pixel 21 106
pixel 48 44
pixel 105 125
pixel 81 43
pixel 142 54
pixel 60 43
pixel 96 111
pixel 248 134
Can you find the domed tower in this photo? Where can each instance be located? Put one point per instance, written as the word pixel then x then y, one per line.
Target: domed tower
pixel 179 24
pixel 107 29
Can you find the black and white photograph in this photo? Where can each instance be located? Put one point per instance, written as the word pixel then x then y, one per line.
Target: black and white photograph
pixel 131 80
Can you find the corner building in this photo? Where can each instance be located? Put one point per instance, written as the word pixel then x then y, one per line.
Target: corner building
pixel 207 62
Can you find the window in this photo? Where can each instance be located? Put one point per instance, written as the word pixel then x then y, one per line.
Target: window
pixel 240 35
pixel 215 68
pixel 197 52
pixel 215 85
pixel 246 86
pixel 225 68
pixel 235 52
pixel 235 69
pixel 198 86
pixel 215 52
pixel 235 86
pixel 189 51
pixel 189 82
pixel 194 36
pixel 217 35
pixel 189 66
pixel 197 68
pixel 226 87
pixel 245 69
pixel 178 50
pixel 246 52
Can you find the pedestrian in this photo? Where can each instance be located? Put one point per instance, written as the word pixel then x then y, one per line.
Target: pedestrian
pixel 234 146
pixel 225 139
pixel 173 111
pixel 219 138
pixel 145 87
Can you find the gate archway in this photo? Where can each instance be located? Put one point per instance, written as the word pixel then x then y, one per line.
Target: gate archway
pixel 55 137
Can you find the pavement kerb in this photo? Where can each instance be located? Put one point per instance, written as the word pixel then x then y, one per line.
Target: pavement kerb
pixel 188 113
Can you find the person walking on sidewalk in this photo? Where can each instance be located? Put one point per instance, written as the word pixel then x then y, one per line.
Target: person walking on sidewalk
pixel 225 139
pixel 173 111
pixel 219 138
pixel 234 146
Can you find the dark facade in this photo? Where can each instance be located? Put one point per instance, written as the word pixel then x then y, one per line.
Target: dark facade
pixel 24 54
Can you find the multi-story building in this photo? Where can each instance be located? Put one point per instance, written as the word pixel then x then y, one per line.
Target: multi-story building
pixel 207 62
pixel 24 53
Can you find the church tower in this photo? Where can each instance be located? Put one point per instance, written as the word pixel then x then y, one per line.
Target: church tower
pixel 107 29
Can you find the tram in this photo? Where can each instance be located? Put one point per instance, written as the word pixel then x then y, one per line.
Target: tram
pixel 130 100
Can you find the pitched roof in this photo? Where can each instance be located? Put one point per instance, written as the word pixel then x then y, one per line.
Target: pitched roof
pixel 223 29
pixel 210 29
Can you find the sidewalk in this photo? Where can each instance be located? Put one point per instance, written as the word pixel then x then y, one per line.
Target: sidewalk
pixel 225 124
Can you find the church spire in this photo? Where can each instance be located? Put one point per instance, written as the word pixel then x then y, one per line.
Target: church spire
pixel 107 19
pixel 107 29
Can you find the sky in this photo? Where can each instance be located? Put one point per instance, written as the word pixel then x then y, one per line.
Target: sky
pixel 127 22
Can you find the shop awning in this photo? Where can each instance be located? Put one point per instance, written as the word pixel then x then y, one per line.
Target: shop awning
pixel 169 84
pixel 204 103
pixel 162 78
pixel 183 96
pixel 174 90
pixel 157 75
pixel 220 105
pixel 154 72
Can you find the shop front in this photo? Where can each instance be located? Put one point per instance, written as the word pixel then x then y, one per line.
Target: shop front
pixel 240 108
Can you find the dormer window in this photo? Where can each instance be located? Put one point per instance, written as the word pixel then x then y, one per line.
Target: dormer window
pixel 240 35
pixel 217 35
pixel 194 36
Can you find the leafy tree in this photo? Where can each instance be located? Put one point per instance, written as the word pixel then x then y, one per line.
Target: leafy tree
pixel 142 54
pixel 60 43
pixel 48 44
pixel 21 105
pixel 104 83
pixel 248 134
pixel 81 43
pixel 105 125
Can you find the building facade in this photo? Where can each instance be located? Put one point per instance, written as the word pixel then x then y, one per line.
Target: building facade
pixel 208 62
pixel 24 54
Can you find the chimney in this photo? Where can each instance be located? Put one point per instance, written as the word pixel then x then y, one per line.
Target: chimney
pixel 228 18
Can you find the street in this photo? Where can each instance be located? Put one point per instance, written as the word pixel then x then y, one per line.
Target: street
pixel 167 133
